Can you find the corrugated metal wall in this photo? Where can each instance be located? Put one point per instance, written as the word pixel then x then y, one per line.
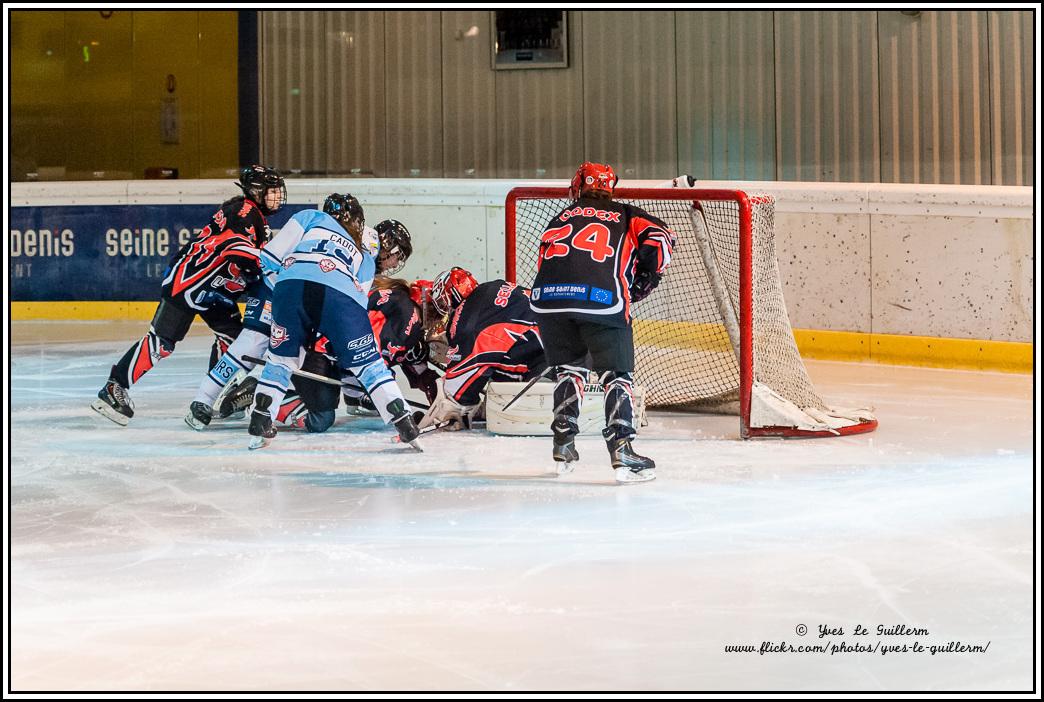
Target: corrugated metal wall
pixel 725 95
pixel 827 96
pixel 932 97
pixel 1011 96
pixel 629 93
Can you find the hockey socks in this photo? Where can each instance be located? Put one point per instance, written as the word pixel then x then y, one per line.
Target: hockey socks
pixel 619 406
pixel 248 343
pixel 569 397
pixel 140 358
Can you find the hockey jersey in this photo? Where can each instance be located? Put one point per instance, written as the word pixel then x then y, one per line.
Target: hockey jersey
pixel 313 246
pixel 589 254
pixel 223 257
pixel 492 335
pixel 396 323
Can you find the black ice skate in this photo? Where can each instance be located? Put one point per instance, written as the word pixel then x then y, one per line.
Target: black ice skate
pixel 199 416
pixel 262 430
pixel 564 450
pixel 403 422
pixel 234 402
pixel 628 465
pixel 360 406
pixel 114 403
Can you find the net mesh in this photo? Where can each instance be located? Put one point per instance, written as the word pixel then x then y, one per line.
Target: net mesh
pixel 684 356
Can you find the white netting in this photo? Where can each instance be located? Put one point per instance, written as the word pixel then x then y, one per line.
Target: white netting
pixel 684 356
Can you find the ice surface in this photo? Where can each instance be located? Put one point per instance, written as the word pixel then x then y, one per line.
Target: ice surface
pixel 153 557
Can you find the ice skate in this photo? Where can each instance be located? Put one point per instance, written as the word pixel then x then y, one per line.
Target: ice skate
pixel 628 466
pixel 114 403
pixel 403 422
pixel 262 430
pixel 359 406
pixel 565 454
pixel 235 399
pixel 199 416
pixel 564 450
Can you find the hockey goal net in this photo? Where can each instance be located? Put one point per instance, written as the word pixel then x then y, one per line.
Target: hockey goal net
pixel 715 335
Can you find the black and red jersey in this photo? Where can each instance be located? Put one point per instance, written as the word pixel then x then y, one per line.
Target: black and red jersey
pixel 222 257
pixel 492 335
pixel 396 323
pixel 589 254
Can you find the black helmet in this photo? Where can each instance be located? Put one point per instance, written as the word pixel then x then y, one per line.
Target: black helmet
pixel 256 181
pixel 345 209
pixel 395 240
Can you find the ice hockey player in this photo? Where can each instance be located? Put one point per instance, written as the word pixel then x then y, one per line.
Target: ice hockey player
pixel 491 334
pixel 328 260
pixel 222 380
pixel 397 327
pixel 597 258
pixel 204 278
pixel 395 314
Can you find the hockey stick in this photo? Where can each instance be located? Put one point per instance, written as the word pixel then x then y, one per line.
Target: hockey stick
pixel 303 374
pixel 324 379
pixel 526 389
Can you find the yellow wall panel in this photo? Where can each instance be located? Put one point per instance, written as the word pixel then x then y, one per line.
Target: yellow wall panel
pixel 89 93
pixel 166 87
pixel 218 83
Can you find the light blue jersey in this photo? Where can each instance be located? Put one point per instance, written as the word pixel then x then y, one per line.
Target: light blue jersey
pixel 313 246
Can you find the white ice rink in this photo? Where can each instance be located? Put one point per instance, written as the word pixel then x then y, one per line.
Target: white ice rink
pixel 153 557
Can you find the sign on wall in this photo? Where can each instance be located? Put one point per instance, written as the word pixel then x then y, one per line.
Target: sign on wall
pixel 102 252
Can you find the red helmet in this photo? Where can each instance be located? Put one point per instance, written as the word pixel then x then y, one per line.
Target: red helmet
pixel 451 288
pixel 593 176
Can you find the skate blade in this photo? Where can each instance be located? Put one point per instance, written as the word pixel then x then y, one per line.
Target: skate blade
pixel 626 475
pixel 564 467
pixel 257 442
pixel 109 413
pixel 193 424
pixel 354 412
pixel 415 444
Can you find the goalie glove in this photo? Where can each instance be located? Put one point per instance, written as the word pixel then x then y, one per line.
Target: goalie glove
pixel 447 413
pixel 644 283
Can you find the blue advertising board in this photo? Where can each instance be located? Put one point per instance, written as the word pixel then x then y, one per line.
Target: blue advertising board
pixel 102 252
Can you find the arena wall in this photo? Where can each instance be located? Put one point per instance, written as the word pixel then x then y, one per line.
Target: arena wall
pixel 927 274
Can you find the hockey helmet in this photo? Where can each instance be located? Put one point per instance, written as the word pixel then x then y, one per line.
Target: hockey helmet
pixel 451 288
pixel 264 186
pixel 593 177
pixel 347 211
pixel 396 246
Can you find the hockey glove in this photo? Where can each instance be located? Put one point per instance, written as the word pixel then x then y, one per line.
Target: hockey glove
pixel 212 298
pixel 684 181
pixel 422 378
pixel 644 283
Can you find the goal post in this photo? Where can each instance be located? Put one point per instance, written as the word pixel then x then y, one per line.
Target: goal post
pixel 715 335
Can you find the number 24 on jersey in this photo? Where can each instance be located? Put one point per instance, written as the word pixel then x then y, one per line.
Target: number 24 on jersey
pixel 594 239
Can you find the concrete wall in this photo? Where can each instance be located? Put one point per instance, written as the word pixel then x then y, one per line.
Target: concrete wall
pixel 936 261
